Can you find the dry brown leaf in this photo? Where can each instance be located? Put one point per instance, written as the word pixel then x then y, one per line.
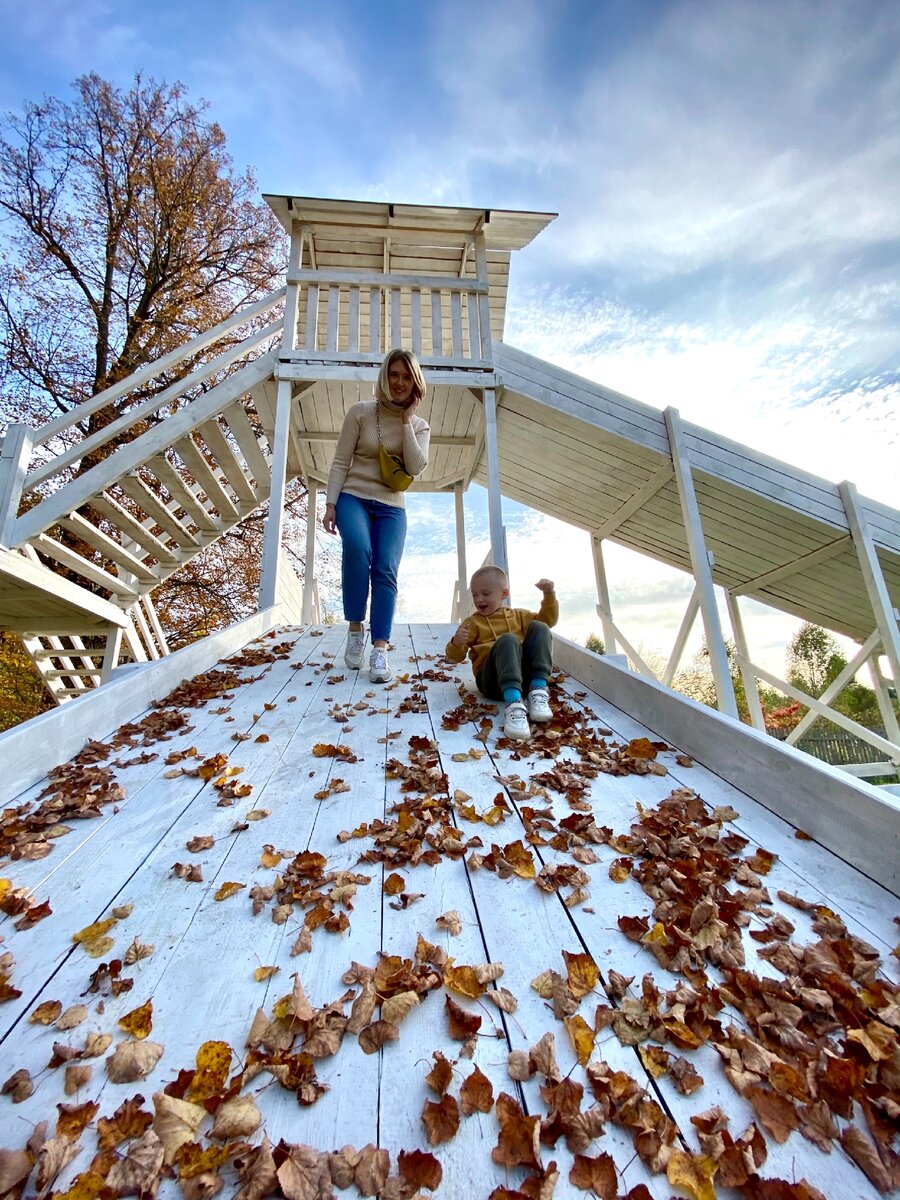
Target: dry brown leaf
pixel 18 1087
pixel 371 1172
pixel 201 842
pixel 54 1154
pixel 596 1174
pixel 175 1122
pixel 74 1119
pixel 15 1167
pixel 76 1077
pixel 441 1119
pixel 419 1169
pixel 72 1017
pixel 256 1170
pixel 376 1035
pixel 137 1174
pixel 476 1093
pixel 450 921
pixel 132 1060
pixel 236 1118
pixel 96 1044
pixel 397 1007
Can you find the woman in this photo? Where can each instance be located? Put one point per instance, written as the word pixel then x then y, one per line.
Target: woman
pixel 370 516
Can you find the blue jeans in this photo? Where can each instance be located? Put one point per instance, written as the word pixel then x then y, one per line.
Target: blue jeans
pixel 372 537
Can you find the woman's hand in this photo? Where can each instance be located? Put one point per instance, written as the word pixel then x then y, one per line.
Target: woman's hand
pixel 329 520
pixel 409 412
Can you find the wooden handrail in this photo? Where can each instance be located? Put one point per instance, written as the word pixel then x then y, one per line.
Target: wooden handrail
pixel 431 283
pixel 151 370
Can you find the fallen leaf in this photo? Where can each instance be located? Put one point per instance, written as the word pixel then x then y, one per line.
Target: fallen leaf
pixel 72 1017
pixel 441 1119
pixel 46 1013
pixel 596 1174
pixel 476 1093
pixel 139 1022
pixel 236 1118
pixel 228 889
pixel 132 1060
pixel 137 1174
pixel 175 1123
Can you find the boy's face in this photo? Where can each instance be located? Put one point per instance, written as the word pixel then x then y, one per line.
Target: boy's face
pixel 488 594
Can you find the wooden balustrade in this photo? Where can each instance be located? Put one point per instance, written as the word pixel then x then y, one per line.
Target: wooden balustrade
pixel 358 316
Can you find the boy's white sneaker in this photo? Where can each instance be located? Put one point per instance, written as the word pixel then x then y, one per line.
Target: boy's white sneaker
pixel 353 655
pixel 516 726
pixel 379 667
pixel 539 709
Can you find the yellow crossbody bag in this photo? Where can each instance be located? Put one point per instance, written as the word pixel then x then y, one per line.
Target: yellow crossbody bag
pixel 393 473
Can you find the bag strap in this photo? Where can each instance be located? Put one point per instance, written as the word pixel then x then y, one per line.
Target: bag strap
pixel 378 421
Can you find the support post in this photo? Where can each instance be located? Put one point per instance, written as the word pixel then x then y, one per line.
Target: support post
pixel 461 572
pixel 681 637
pixel 757 720
pixel 891 727
pixel 604 609
pixel 111 653
pixel 309 570
pixel 14 459
pixel 150 611
pixel 268 579
pixel 701 563
pixel 885 613
pixel 495 510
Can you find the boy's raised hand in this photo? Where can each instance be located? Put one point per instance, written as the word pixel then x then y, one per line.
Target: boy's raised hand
pixel 463 635
pixel 546 586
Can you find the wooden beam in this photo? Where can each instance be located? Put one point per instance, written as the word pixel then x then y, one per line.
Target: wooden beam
pixel 462 575
pixel 495 503
pixel 757 719
pixel 389 279
pixel 637 500
pixel 309 570
pixel 814 558
pixel 830 714
pixel 604 608
pixel 687 624
pixel 886 616
pixel 700 562
pixel 837 685
pixel 14 459
pixel 268 582
pixel 22 572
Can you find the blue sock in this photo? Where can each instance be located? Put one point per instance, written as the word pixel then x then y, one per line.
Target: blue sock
pixel 511 694
pixel 538 683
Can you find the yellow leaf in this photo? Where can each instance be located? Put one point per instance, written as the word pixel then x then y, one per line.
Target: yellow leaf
pixel 583 972
pixel 656 934
pixel 46 1013
pixel 257 814
pixel 213 1065
pixel 692 1172
pixel 262 973
pixel 581 1036
pixel 92 933
pixel 464 981
pixel 228 889
pixel 139 1021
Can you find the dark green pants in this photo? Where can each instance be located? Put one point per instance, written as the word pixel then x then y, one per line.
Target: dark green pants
pixel 513 664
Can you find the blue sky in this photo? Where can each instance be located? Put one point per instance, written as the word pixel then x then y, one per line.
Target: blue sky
pixel 727 174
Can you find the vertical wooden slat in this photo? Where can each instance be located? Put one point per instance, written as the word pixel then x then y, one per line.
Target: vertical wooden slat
pixel 396 334
pixel 474 338
pixel 292 299
pixel 751 691
pixel 353 320
pixel 437 332
pixel 415 312
pixel 375 321
pixel 309 567
pixel 456 323
pixel 604 608
pixel 484 308
pixel 495 503
pixel 334 301
pixel 312 317
pixel 461 571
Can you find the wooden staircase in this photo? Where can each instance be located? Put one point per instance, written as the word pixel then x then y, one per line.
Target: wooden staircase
pixel 82 547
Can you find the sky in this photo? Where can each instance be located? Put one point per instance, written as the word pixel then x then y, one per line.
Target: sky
pixel 727 178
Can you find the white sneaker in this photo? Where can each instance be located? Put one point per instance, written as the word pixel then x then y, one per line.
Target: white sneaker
pixel 539 706
pixel 516 724
pixel 353 655
pixel 379 667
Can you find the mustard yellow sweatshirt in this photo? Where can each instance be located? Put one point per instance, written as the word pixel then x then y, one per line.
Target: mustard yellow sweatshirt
pixel 488 628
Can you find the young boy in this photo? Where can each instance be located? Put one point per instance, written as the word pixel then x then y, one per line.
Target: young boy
pixel 510 649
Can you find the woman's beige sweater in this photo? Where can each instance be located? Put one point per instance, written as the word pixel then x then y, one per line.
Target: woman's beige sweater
pixel 355 468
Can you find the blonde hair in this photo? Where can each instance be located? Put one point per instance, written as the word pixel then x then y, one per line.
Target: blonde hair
pixel 382 386
pixel 497 574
